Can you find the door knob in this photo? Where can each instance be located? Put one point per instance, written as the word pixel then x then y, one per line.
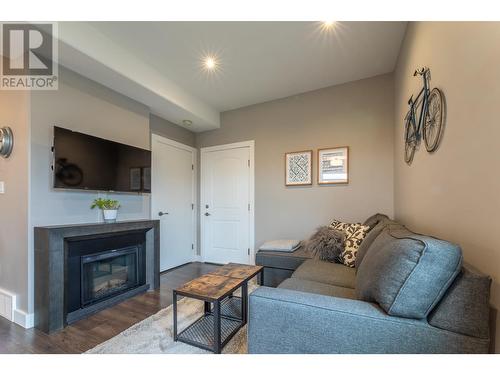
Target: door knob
pixel 207 214
pixel 162 213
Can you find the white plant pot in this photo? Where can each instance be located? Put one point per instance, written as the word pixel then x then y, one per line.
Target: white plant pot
pixel 109 215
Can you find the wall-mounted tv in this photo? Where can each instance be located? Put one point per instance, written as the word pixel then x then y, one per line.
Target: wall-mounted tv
pixel 85 162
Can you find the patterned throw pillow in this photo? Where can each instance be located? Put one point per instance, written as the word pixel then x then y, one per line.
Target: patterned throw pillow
pixel 354 235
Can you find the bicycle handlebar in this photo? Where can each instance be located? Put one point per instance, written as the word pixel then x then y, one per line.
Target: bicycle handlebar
pixel 420 71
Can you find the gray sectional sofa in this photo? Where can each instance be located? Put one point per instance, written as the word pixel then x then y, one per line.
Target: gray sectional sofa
pixel 408 293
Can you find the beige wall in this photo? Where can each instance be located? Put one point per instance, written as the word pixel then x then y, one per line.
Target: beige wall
pixel 357 114
pixel 171 131
pixel 14 112
pixel 455 193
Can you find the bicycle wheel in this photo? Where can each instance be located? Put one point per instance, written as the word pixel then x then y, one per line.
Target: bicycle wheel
pixel 70 175
pixel 434 120
pixel 410 139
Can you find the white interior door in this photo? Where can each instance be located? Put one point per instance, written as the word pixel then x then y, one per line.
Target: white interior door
pixel 226 211
pixel 173 200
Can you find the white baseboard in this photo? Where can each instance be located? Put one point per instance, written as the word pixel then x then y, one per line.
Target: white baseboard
pixel 7 304
pixel 24 319
pixel 8 309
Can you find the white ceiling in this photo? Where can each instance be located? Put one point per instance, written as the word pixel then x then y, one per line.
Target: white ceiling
pixel 259 61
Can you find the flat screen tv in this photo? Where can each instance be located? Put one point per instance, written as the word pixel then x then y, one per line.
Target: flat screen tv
pixel 85 162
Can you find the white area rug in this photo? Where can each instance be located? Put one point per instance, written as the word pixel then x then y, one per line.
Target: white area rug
pixel 154 335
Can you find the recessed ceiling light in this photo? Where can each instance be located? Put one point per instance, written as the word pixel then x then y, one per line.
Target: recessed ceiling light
pixel 210 62
pixel 328 25
pixel 187 122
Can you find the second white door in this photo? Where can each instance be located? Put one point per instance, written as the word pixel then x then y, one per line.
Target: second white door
pixel 225 205
pixel 173 200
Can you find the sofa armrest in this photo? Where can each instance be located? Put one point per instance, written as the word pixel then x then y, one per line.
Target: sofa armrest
pixel 288 321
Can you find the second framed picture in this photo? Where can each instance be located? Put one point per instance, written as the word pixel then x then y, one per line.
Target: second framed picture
pixel 333 165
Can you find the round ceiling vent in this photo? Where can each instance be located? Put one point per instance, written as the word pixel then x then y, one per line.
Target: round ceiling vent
pixel 6 141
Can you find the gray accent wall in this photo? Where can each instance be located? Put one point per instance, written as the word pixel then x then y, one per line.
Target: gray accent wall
pixel 454 193
pixel 357 114
pixel 171 131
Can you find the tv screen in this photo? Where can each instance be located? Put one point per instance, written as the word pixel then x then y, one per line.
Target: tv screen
pixel 86 162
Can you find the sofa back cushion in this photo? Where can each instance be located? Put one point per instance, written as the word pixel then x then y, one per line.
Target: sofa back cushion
pixel 465 307
pixel 373 220
pixel 364 247
pixel 407 273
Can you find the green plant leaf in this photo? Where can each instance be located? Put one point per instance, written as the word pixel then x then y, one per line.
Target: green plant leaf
pixel 105 204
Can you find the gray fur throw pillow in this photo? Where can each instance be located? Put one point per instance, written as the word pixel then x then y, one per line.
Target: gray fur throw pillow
pixel 326 244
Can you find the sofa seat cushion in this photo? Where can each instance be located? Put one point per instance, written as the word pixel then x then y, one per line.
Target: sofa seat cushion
pixel 327 273
pixel 406 273
pixel 318 288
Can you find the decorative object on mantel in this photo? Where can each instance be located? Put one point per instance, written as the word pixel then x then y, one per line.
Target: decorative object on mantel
pixel 333 165
pixel 109 208
pixel 429 123
pixel 6 141
pixel 298 168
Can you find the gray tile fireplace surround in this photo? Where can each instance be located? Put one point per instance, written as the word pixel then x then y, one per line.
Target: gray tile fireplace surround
pixel 50 261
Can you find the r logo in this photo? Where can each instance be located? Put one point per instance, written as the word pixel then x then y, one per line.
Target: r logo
pixel 27 49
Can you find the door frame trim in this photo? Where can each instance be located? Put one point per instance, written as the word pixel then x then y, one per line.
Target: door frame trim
pixel 194 193
pixel 251 191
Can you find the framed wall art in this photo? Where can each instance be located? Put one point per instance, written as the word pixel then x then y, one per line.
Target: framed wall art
pixel 333 165
pixel 298 168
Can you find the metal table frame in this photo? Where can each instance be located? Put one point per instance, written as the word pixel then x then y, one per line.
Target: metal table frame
pixel 216 314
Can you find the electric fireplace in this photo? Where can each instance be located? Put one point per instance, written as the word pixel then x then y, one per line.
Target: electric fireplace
pixel 109 273
pixel 100 269
pixel 81 269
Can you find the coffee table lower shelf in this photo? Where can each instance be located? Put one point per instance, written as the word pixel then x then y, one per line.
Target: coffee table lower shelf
pixel 201 332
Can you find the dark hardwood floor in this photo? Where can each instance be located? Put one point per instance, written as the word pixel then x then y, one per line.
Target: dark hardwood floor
pixel 87 333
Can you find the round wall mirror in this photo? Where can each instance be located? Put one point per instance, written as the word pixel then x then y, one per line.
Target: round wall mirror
pixel 6 141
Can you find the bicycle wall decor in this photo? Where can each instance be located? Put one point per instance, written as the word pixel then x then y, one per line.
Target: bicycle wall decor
pixel 430 122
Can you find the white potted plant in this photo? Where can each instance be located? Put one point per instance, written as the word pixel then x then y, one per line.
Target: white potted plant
pixel 109 208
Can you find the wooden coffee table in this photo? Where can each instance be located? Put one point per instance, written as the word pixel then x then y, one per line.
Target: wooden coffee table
pixel 224 314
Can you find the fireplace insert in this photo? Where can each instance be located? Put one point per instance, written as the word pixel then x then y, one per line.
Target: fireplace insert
pixel 107 274
pixel 101 269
